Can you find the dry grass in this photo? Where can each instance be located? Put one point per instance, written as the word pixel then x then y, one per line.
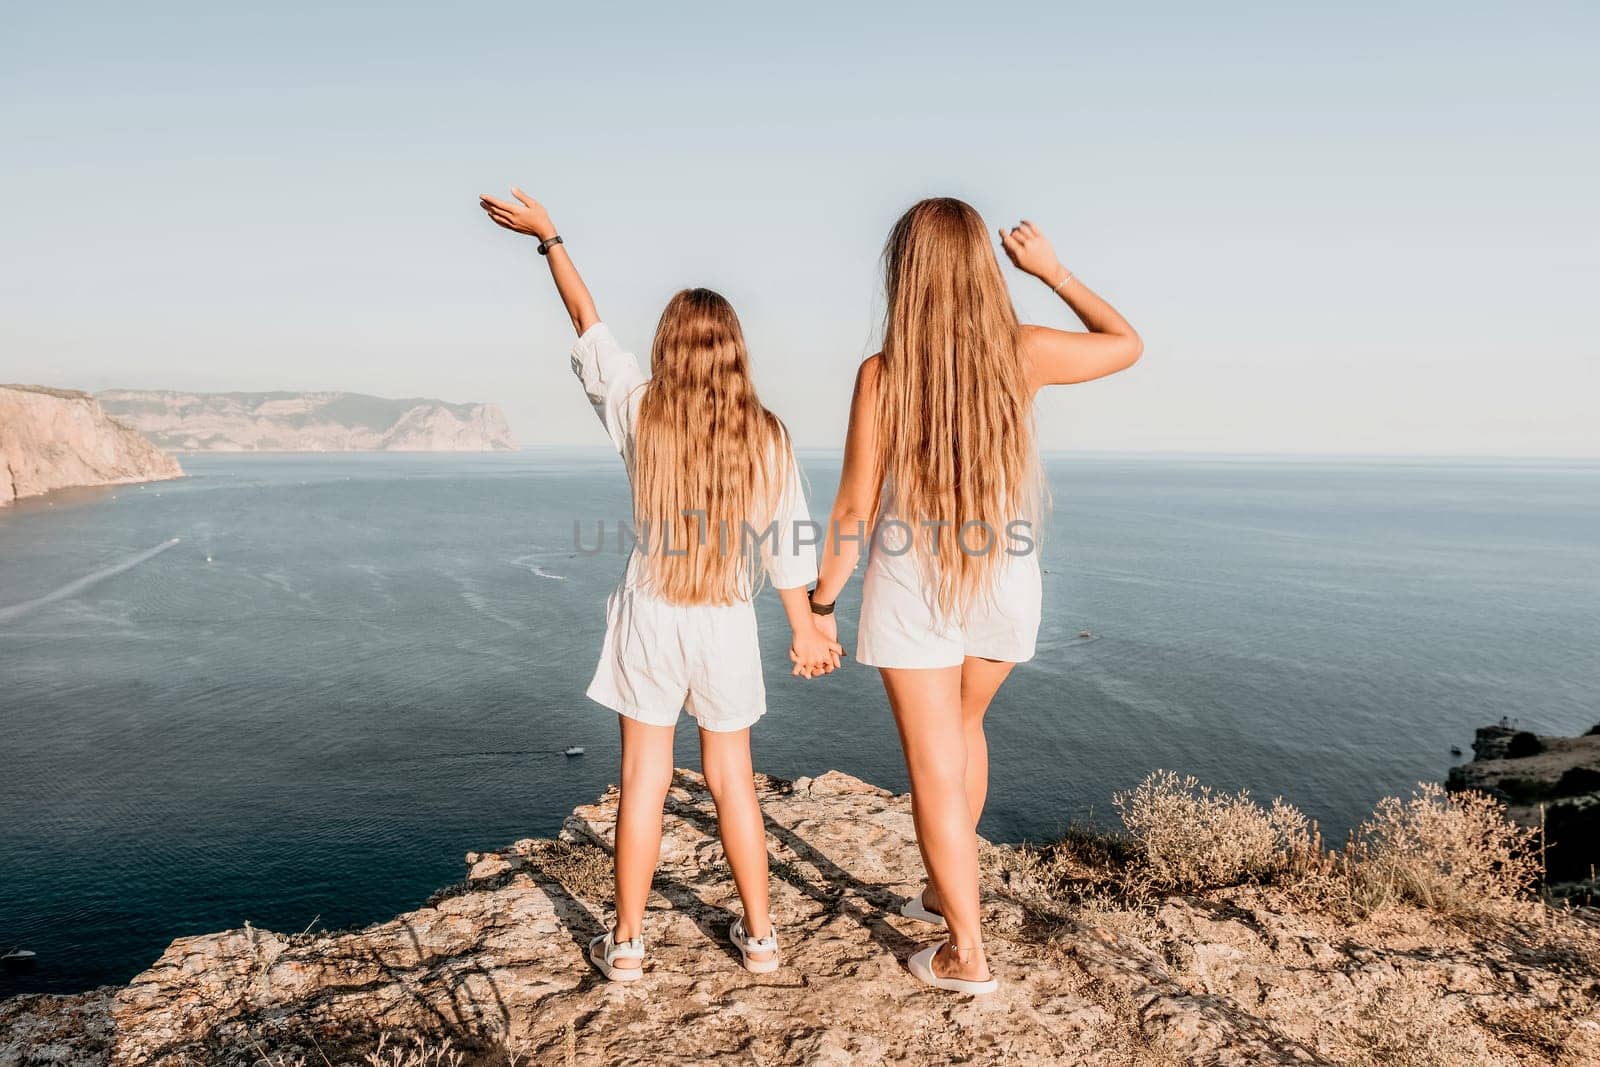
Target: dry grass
pixel 1406 1023
pixel 418 1053
pixel 1060 874
pixel 1120 1041
pixel 1118 1038
pixel 392 1050
pixel 1192 837
pixel 1535 1031
pixel 1453 853
pixel 584 870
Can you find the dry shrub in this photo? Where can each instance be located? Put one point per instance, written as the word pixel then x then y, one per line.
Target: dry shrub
pixel 391 1051
pixel 1128 911
pixel 1192 837
pixel 1087 876
pixel 419 1053
pixel 1057 874
pixel 1454 853
pixel 584 870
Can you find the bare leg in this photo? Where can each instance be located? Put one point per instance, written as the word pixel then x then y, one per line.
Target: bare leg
pixel 927 710
pixel 646 777
pixel 980 680
pixel 725 758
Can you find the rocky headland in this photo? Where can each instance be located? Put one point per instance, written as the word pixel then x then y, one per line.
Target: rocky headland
pixel 308 422
pixel 1546 782
pixel 1211 931
pixel 58 438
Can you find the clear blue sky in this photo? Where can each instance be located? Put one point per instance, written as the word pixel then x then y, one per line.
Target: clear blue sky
pixel 1361 228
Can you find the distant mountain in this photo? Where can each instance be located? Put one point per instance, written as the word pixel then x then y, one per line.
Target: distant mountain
pixel 308 422
pixel 55 438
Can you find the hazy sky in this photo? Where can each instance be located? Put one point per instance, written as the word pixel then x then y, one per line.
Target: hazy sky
pixel 1361 228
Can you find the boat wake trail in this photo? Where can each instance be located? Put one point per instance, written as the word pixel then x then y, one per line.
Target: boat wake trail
pixel 73 588
pixel 531 565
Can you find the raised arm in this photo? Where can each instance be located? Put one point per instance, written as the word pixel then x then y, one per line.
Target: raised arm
pixel 855 506
pixel 1062 357
pixel 529 216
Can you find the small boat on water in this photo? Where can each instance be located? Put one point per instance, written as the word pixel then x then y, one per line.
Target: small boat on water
pixel 1085 634
pixel 575 750
pixel 18 957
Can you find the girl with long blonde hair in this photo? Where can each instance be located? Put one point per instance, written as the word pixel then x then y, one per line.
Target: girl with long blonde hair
pixel 942 479
pixel 717 502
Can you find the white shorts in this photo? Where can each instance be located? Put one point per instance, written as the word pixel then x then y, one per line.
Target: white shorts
pixel 660 658
pixel 899 628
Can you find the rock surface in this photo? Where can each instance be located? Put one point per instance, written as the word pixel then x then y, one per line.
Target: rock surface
pixel 308 422
pixel 1234 976
pixel 1547 781
pixel 56 438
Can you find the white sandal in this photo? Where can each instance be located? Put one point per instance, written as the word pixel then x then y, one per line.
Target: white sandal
pixel 915 909
pixel 604 951
pixel 921 967
pixel 748 946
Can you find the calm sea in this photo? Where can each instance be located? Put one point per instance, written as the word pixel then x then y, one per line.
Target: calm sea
pixel 347 671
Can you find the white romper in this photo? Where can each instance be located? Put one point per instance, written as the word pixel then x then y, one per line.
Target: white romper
pixel 900 628
pixel 659 658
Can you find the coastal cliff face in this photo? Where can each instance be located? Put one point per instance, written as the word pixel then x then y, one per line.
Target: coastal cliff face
pixel 1547 781
pixel 308 422
pixel 1246 974
pixel 56 438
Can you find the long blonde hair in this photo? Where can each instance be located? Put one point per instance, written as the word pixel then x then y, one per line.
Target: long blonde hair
pixel 955 413
pixel 704 445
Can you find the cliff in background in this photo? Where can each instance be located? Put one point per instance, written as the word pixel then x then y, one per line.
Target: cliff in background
pixel 1101 960
pixel 308 422
pixel 56 438
pixel 1549 782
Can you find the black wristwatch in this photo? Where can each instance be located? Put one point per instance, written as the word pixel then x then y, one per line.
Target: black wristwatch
pixel 548 243
pixel 817 609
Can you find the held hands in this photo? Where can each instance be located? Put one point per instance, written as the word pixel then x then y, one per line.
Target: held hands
pixel 526 216
pixel 1031 252
pixel 816 649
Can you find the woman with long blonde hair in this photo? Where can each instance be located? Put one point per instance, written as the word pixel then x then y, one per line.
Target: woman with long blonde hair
pixel 942 479
pixel 717 501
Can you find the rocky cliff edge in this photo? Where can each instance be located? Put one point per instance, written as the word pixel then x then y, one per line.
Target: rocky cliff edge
pixel 495 966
